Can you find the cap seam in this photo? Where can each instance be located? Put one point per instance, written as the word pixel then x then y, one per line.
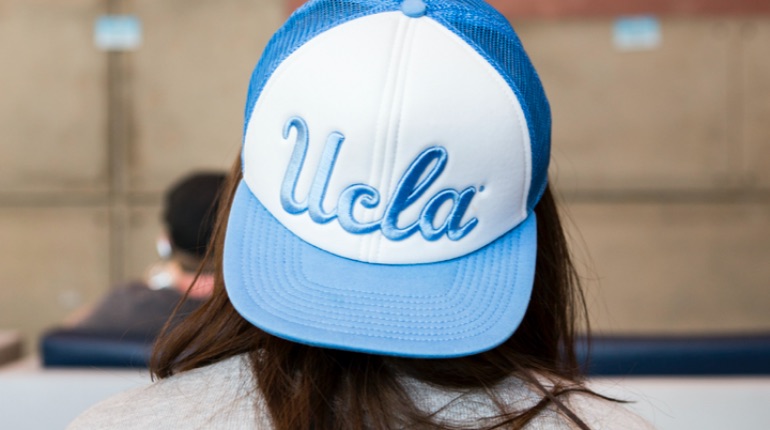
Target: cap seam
pixel 394 125
pixel 383 121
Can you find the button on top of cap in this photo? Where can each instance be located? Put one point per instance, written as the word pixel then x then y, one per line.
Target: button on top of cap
pixel 413 8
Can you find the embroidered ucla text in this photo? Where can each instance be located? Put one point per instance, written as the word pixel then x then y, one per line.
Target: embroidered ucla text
pixel 414 182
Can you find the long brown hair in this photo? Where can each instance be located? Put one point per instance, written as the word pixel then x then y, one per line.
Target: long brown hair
pixel 316 388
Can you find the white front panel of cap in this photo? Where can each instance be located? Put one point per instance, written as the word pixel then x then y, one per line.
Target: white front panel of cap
pixel 388 139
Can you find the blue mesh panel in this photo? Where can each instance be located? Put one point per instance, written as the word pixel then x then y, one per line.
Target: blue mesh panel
pixel 489 33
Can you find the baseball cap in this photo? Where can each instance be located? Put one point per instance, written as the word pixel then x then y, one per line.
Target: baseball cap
pixel 393 154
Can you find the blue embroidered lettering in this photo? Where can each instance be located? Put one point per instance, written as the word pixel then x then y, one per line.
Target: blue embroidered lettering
pixel 453 229
pixel 428 215
pixel 412 185
pixel 369 198
pixel 321 180
pixel 291 177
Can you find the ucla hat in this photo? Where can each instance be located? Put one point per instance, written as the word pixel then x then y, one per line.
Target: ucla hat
pixel 393 154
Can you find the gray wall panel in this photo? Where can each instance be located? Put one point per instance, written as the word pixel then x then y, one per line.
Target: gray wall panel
pixel 645 120
pixel 55 260
pixel 667 268
pixel 52 108
pixel 190 79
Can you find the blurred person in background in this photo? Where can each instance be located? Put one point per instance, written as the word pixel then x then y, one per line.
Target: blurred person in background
pixel 140 308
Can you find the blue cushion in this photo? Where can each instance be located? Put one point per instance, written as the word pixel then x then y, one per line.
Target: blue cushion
pixel 609 355
pixel 677 355
pixel 77 348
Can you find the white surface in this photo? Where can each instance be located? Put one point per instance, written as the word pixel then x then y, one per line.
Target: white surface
pixel 393 86
pixel 695 403
pixel 32 398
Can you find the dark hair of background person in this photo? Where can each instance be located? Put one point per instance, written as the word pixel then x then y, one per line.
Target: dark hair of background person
pixel 189 211
pixel 315 388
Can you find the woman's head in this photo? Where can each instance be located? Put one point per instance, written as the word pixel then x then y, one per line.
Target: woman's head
pixel 389 216
pixel 543 344
pixel 392 158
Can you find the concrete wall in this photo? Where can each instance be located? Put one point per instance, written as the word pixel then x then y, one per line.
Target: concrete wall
pixel 89 140
pixel 662 156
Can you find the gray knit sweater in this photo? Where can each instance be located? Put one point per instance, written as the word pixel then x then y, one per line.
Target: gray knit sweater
pixel 224 396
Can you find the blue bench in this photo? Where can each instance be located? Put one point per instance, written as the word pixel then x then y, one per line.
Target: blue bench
pixel 75 348
pixel 607 355
pixel 676 355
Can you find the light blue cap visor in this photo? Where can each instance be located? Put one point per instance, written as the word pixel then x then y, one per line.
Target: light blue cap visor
pixel 296 291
